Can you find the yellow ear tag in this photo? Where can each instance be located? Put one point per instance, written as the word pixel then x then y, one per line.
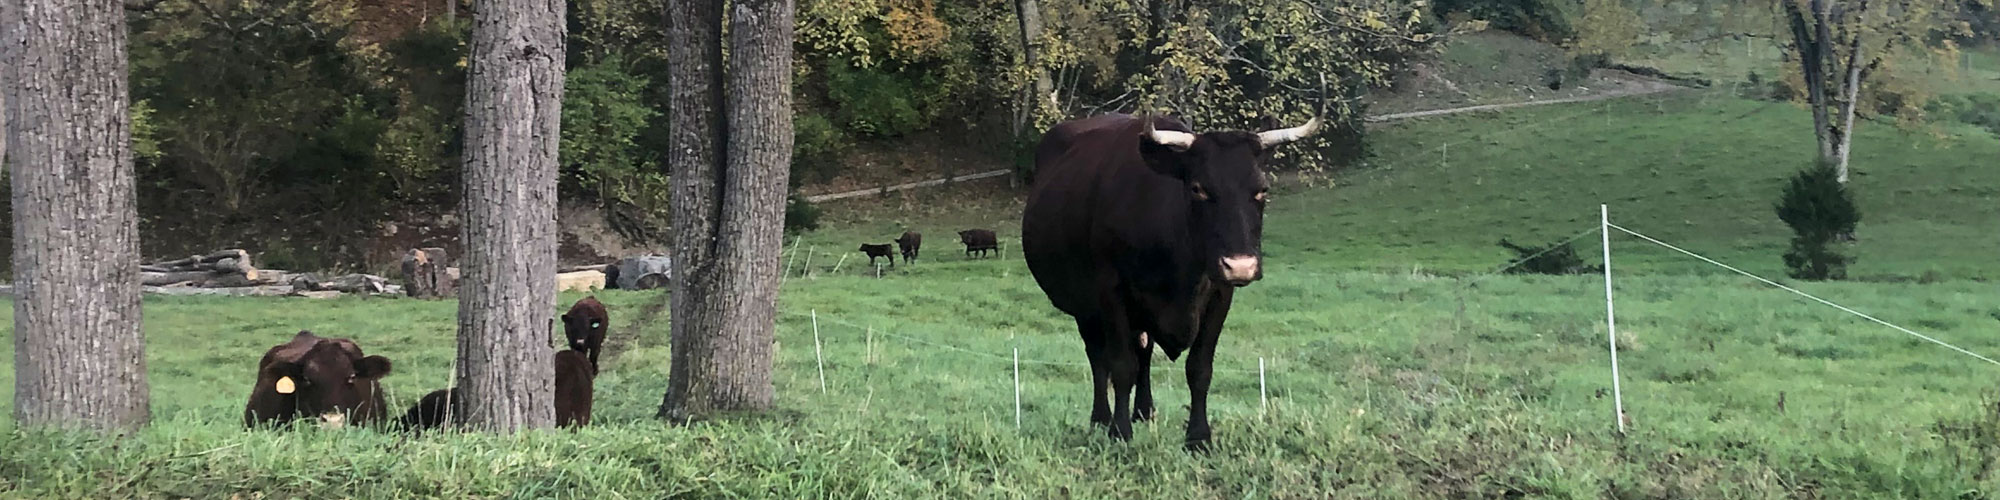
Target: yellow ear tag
pixel 285 385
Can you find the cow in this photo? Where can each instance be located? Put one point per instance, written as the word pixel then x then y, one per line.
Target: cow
pixel 575 377
pixel 314 377
pixel 882 250
pixel 1142 231
pixel 909 244
pixel 584 325
pixel 979 240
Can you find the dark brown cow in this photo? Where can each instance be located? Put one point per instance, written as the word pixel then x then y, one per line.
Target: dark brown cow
pixel 319 378
pixel 910 243
pixel 575 378
pixel 584 325
pixel 882 250
pixel 1142 230
pixel 979 240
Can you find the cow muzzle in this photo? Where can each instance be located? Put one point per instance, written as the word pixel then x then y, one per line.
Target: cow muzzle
pixel 1240 270
pixel 332 420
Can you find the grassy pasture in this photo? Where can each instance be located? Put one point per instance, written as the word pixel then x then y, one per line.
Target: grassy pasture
pixel 1395 367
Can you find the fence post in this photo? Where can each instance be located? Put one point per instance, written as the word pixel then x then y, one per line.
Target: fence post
pixel 1611 316
pixel 1017 387
pixel 817 358
pixel 1263 396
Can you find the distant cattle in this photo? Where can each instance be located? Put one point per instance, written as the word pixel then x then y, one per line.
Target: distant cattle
pixel 584 325
pixel 979 241
pixel 882 250
pixel 313 377
pixel 1141 230
pixel 575 377
pixel 909 244
pixel 611 276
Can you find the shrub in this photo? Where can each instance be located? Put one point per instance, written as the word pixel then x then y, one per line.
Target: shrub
pixel 1539 19
pixel 1820 211
pixel 603 112
pixel 1548 259
pixel 874 102
pixel 800 215
pixel 817 147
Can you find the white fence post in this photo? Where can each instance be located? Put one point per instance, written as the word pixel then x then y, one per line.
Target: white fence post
pixel 817 357
pixel 1017 387
pixel 1611 316
pixel 1263 396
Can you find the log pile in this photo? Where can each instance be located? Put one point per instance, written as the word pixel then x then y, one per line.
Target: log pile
pixel 232 273
pixel 222 269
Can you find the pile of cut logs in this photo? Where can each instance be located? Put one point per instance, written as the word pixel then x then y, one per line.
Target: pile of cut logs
pixel 230 272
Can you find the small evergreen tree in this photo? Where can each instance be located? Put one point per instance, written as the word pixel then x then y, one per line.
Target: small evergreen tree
pixel 1819 210
pixel 1557 259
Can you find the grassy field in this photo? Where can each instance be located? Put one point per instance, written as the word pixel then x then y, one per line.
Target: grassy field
pixel 1395 367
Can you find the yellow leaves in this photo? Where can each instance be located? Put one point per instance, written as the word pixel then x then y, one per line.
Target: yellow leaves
pixel 915 32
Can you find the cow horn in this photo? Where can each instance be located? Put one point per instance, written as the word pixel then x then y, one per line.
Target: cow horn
pixel 1177 140
pixel 1270 138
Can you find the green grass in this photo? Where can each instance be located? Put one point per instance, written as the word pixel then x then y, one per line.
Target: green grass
pixel 1387 377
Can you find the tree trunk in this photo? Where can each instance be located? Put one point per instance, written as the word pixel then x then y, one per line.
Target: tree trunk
pixel 1030 14
pixel 507 299
pixel 79 356
pixel 726 281
pixel 1850 91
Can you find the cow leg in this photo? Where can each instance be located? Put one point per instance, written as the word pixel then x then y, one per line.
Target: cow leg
pixel 1093 341
pixel 1124 375
pixel 1200 369
pixel 1142 402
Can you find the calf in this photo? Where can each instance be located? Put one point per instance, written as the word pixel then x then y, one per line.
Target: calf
pixel 883 250
pixel 585 324
pixel 575 379
pixel 910 243
pixel 979 240
pixel 319 378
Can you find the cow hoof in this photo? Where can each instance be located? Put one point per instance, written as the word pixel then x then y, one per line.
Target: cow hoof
pixel 1197 438
pixel 1100 417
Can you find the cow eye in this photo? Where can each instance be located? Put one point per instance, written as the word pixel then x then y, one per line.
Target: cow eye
pixel 1200 193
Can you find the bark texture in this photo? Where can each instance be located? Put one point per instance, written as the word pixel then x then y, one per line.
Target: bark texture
pixel 729 199
pixel 1833 84
pixel 507 296
pixel 79 356
pixel 1029 12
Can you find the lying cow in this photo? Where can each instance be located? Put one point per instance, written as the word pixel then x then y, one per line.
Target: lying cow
pixel 575 380
pixel 882 250
pixel 584 325
pixel 909 244
pixel 313 377
pixel 979 240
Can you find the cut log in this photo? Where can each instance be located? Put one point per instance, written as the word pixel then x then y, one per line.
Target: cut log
pixel 580 281
pixel 428 274
pixel 352 283
pixel 174 278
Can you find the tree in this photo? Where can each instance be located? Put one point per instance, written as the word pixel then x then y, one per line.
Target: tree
pixel 507 299
pixel 1819 209
pixel 729 156
pixel 79 356
pixel 1840 44
pixel 1029 13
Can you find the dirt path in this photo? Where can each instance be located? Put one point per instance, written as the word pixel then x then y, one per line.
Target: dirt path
pixel 1638 86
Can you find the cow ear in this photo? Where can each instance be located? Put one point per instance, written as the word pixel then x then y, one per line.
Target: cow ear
pixel 372 367
pixel 1163 159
